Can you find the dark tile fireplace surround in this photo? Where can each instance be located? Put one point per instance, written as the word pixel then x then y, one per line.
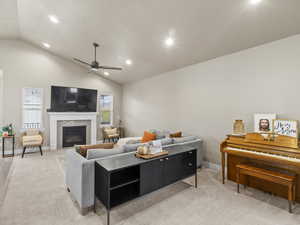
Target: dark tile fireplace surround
pixel 74 135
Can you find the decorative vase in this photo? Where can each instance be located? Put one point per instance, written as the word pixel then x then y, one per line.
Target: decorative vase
pixel 10 130
pixel 143 150
pixel 238 127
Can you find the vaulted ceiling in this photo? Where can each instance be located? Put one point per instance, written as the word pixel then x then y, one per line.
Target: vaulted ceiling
pixel 9 24
pixel 136 29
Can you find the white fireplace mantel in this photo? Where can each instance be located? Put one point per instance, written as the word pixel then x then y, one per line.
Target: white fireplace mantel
pixel 54 117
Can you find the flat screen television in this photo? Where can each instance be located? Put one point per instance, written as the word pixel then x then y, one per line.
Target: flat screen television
pixel 70 99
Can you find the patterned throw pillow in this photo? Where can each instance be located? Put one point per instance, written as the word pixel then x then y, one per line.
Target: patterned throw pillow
pixel 160 134
pixel 176 135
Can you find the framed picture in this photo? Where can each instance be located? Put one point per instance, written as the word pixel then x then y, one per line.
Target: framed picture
pixel 286 127
pixel 263 123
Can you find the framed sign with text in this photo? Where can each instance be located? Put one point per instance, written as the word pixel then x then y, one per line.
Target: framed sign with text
pixel 286 127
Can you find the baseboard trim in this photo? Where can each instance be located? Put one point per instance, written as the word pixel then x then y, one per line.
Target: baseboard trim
pixel 207 164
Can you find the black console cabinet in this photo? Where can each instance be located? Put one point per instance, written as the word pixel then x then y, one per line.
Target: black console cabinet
pixel 125 177
pixel 152 175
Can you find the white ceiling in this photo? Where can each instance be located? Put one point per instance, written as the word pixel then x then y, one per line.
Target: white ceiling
pixel 136 29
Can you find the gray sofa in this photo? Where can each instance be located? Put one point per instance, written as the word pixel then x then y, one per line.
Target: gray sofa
pixel 80 171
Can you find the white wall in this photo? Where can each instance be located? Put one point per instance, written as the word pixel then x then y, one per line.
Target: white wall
pixel 27 66
pixel 204 99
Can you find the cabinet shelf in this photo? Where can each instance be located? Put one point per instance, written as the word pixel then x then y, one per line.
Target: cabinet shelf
pixel 124 194
pixel 124 177
pixel 125 184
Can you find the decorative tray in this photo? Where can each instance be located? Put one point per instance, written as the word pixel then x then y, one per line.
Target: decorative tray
pixel 151 156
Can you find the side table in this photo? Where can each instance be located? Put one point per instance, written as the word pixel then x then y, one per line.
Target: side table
pixel 13 145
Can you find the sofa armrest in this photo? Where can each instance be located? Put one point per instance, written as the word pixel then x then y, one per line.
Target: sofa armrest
pixel 80 175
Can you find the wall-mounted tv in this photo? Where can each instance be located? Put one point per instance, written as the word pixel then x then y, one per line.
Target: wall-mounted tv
pixel 71 99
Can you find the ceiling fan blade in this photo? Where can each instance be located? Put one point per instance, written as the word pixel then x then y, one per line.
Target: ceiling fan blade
pixel 78 60
pixel 109 68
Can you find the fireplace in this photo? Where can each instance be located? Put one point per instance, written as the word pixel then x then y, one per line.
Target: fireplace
pixel 58 120
pixel 75 135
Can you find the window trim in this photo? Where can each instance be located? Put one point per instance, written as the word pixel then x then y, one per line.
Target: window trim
pixel 112 110
pixel 41 106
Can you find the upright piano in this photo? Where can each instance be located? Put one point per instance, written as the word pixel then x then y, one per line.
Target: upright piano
pixel 281 153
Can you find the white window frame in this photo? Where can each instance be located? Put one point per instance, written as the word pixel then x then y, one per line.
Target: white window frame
pixel 112 110
pixel 35 106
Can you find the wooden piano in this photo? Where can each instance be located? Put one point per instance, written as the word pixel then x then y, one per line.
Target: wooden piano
pixel 279 153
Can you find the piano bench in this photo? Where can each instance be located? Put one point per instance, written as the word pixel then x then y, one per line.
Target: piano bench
pixel 268 175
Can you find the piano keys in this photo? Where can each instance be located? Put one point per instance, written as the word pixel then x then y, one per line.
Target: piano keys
pixel 262 155
pixel 272 155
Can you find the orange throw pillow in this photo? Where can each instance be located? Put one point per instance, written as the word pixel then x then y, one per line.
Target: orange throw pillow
pixel 148 137
pixel 176 135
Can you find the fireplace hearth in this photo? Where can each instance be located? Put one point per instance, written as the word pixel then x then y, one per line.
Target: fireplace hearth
pixel 74 135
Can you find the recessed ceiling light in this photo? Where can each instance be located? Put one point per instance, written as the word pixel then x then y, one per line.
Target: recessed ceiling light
pixel 128 62
pixel 169 42
pixel 106 73
pixel 46 45
pixel 53 19
pixel 255 2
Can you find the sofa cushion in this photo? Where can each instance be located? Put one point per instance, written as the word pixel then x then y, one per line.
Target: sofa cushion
pixel 83 148
pixel 131 147
pixel 176 134
pixel 100 153
pixel 148 137
pixel 166 141
pixel 184 139
pixel 134 141
pixel 113 135
pixel 123 141
pixel 32 140
pixel 112 131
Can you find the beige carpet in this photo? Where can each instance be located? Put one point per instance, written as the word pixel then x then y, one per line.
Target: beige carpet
pixel 36 195
pixel 5 169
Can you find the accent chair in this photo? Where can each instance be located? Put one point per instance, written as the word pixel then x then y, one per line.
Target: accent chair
pixel 32 138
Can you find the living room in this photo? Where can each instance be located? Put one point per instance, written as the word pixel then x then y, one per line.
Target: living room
pixel 194 83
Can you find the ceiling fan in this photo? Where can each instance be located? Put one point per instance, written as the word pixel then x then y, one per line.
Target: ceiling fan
pixel 94 65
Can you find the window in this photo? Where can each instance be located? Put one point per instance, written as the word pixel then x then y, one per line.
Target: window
pixel 32 107
pixel 106 110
